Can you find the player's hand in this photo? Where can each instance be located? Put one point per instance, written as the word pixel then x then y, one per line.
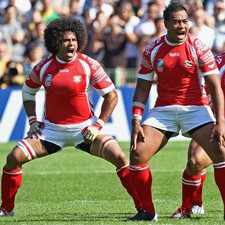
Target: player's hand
pixel 218 133
pixel 35 127
pixel 91 132
pixel 137 134
pixel 35 130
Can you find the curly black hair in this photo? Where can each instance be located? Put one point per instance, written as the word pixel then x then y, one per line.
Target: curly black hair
pixel 53 34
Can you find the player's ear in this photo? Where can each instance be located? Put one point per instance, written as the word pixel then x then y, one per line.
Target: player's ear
pixel 166 24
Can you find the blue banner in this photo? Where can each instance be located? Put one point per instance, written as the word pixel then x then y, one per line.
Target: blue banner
pixel 14 124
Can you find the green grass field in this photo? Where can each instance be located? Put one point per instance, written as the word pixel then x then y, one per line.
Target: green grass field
pixel 72 187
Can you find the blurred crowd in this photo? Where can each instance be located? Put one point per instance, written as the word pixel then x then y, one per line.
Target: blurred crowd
pixel 117 31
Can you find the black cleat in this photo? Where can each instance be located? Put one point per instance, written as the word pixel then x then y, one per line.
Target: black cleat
pixel 143 215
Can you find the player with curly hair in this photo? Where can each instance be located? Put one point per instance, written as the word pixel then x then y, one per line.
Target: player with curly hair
pixel 67 76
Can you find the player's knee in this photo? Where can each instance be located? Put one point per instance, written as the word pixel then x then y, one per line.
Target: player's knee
pixel 195 165
pixel 138 157
pixel 13 160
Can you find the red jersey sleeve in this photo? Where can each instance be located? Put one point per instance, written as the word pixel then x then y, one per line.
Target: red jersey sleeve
pixel 206 59
pixel 146 71
pixel 99 78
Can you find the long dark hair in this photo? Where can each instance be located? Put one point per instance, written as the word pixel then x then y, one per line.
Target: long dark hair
pixel 53 34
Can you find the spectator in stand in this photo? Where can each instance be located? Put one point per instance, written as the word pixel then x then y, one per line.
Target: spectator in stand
pixel 219 15
pixel 200 29
pixel 14 75
pixel 5 56
pixel 75 10
pixel 11 25
pixel 34 53
pixel 46 10
pixel 147 24
pixel 115 41
pixel 128 21
pixel 100 5
pixel 96 38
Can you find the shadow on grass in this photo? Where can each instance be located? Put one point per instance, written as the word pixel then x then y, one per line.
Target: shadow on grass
pixel 70 217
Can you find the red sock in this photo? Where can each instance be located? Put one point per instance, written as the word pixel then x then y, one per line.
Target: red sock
pixel 125 178
pixel 190 184
pixel 198 195
pixel 219 174
pixel 142 181
pixel 11 181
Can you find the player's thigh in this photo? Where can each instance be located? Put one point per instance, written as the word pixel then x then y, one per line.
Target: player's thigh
pixel 154 141
pixel 24 151
pixel 202 136
pixel 33 147
pixel 107 147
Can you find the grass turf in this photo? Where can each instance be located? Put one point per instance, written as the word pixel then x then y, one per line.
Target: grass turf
pixel 72 187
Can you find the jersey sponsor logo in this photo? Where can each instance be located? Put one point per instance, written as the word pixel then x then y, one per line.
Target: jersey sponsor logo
pixel 174 54
pixel 48 80
pixel 77 78
pixel 65 70
pixel 187 63
pixel 160 65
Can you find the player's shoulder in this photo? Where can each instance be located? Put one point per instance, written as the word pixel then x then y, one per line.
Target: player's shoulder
pixel 153 44
pixel 43 62
pixel 196 43
pixel 89 60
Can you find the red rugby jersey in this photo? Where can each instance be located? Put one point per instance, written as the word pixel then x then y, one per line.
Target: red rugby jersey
pixel 179 69
pixel 67 86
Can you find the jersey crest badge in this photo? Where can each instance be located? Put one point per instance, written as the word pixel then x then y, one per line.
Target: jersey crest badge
pixel 160 65
pixel 77 79
pixel 48 80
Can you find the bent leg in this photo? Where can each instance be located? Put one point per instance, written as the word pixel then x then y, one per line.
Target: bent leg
pixel 216 153
pixel 108 148
pixel 23 152
pixel 194 176
pixel 198 161
pixel 140 173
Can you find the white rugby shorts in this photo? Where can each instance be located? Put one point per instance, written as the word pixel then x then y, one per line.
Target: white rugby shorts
pixel 65 135
pixel 177 118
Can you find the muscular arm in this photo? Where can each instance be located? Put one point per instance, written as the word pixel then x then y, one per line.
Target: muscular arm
pixel 217 97
pixel 140 97
pixel 108 105
pixel 142 91
pixel 29 107
pixel 29 104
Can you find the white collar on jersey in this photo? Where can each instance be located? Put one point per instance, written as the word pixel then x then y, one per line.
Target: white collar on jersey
pixel 173 44
pixel 64 62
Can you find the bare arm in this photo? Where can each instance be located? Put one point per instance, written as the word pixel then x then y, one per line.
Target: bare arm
pixel 141 94
pixel 142 91
pixel 108 105
pixel 217 99
pixel 29 107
